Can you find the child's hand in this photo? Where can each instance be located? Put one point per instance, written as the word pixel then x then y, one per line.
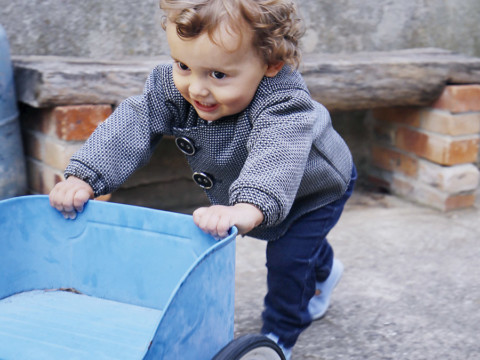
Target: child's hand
pixel 216 220
pixel 70 195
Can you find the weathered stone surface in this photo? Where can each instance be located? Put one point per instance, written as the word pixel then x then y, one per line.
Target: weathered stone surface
pixel 414 77
pixel 47 81
pixel 115 29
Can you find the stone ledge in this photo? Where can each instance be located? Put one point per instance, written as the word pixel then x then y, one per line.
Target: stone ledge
pixel 413 77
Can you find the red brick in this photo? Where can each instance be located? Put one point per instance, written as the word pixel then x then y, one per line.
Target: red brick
pixel 447 123
pixel 430 196
pixel 378 183
pixel 459 98
pixel 379 179
pixel 450 179
pixel 104 197
pixel 41 178
pixel 403 187
pixel 71 123
pixel 384 133
pixel 462 201
pixel 78 122
pixel 48 149
pixel 444 150
pixel 401 115
pixel 393 160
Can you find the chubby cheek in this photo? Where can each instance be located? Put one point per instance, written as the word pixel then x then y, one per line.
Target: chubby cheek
pixel 237 100
pixel 181 86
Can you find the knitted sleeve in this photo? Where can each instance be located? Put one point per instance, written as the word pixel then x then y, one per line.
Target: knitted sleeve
pixel 279 146
pixel 123 142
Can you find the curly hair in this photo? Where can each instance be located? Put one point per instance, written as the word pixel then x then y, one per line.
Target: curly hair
pixel 276 25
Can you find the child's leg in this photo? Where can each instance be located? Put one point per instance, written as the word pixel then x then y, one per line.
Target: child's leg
pixel 291 276
pixel 293 262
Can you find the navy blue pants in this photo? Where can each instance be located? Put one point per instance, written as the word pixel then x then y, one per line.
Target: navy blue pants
pixel 295 262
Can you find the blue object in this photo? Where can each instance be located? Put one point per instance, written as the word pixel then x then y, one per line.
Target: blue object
pixel 319 303
pixel 12 163
pixel 118 282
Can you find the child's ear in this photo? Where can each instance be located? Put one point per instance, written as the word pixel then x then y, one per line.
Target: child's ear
pixel 274 69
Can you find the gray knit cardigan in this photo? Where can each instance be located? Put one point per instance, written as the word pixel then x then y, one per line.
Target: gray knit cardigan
pixel 280 154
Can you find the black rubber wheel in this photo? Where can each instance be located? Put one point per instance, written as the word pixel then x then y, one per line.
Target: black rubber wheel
pixel 251 347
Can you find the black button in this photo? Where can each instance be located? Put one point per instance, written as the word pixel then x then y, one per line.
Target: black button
pixel 203 180
pixel 185 145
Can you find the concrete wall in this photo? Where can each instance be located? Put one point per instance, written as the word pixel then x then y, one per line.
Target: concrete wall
pixel 112 29
pixel 116 28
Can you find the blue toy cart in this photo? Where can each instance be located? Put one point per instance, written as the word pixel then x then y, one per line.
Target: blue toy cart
pixel 118 282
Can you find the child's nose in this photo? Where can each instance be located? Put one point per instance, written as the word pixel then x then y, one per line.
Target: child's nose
pixel 197 88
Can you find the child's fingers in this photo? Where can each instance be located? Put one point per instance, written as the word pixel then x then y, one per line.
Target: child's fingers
pixel 63 204
pixel 198 215
pixel 202 217
pixel 213 220
pixel 69 215
pixel 223 226
pixel 57 197
pixel 208 223
pixel 73 201
pixel 79 199
pixel 70 196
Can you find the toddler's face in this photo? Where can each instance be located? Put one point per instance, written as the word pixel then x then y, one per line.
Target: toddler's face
pixel 217 79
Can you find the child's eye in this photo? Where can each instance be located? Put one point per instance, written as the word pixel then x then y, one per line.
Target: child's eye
pixel 182 66
pixel 218 75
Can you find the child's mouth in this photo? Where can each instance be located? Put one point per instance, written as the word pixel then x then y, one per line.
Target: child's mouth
pixel 205 107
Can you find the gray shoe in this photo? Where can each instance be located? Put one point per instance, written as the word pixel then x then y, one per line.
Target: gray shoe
pixel 318 305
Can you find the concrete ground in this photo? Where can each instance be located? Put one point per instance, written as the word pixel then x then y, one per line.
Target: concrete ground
pixel 410 290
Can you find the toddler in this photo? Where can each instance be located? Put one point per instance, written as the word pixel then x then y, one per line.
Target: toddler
pixel 265 153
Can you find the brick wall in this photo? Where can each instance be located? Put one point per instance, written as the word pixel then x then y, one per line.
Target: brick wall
pixel 51 136
pixel 426 154
pixel 429 154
